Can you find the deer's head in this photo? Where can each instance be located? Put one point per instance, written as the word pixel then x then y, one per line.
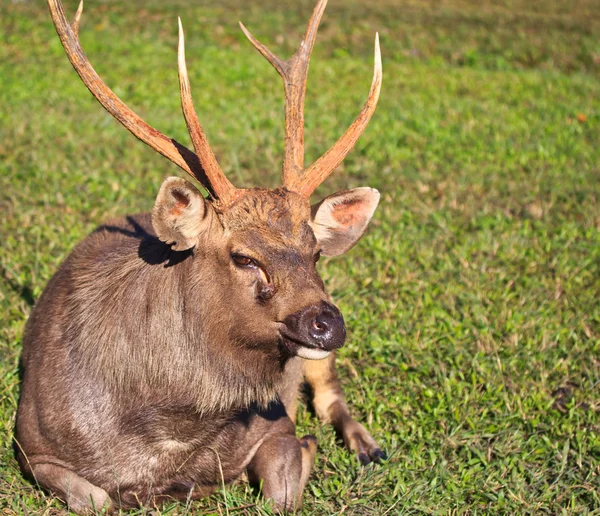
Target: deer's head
pixel 260 245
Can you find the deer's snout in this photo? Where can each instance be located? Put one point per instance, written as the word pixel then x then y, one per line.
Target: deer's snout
pixel 317 326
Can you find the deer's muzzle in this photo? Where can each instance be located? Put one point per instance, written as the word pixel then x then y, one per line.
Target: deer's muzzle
pixel 315 330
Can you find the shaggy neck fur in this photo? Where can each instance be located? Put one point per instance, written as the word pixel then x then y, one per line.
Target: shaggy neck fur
pixel 148 303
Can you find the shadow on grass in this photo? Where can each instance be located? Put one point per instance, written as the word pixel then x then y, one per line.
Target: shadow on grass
pixel 24 291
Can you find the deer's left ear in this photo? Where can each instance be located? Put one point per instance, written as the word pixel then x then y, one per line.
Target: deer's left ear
pixel 342 218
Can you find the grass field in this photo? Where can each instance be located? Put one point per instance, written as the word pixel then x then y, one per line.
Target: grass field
pixel 472 303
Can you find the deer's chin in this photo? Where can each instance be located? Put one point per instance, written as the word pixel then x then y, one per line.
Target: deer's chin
pixel 312 353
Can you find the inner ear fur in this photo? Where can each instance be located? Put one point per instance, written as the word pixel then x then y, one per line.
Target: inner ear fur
pixel 178 216
pixel 339 220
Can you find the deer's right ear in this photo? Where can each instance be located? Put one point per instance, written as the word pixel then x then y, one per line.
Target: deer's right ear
pixel 179 213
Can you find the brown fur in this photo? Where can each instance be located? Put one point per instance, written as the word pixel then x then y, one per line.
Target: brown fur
pixel 150 372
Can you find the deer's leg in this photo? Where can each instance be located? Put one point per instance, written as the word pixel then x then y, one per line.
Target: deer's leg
pixel 331 407
pixel 283 463
pixel 80 495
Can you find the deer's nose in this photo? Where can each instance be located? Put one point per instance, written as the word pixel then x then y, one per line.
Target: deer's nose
pixel 327 328
pixel 317 326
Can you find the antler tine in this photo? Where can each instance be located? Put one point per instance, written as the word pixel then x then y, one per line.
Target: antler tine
pixel 222 187
pixel 294 72
pixel 320 169
pixel 278 64
pixel 75 24
pixel 169 148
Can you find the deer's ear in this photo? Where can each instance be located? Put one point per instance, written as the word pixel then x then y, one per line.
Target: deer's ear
pixel 339 220
pixel 179 213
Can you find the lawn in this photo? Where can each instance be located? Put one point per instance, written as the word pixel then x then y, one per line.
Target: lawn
pixel 472 303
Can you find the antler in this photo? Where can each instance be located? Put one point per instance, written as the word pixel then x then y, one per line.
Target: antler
pixel 294 73
pixel 203 167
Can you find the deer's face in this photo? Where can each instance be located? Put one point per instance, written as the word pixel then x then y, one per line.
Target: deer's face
pixel 262 252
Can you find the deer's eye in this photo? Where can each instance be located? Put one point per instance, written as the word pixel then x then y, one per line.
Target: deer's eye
pixel 243 261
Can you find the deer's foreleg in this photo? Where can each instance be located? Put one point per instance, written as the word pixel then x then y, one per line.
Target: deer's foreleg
pixel 331 407
pixel 283 464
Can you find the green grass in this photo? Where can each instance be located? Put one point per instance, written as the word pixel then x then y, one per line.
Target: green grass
pixel 473 301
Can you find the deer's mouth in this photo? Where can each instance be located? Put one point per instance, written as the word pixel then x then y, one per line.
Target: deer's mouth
pixel 295 346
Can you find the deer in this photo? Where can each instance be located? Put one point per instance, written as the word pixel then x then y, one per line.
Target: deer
pixel 165 356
